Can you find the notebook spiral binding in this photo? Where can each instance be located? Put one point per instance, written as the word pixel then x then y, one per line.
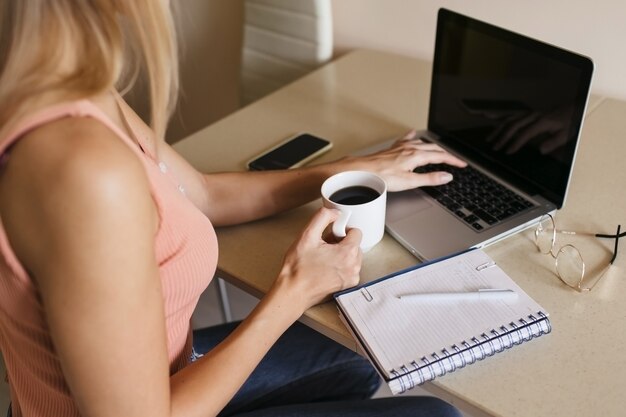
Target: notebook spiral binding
pixel 466 352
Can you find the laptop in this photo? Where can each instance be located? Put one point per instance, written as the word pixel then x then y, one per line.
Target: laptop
pixel 513 108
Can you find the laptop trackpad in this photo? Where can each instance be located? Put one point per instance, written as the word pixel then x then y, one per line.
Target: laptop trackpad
pixel 405 203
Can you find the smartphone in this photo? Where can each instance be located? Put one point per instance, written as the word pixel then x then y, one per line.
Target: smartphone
pixel 290 153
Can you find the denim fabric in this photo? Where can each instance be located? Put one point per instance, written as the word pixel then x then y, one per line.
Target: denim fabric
pixel 306 374
pixel 396 407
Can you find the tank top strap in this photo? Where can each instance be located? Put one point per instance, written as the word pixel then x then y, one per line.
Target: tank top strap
pixel 78 108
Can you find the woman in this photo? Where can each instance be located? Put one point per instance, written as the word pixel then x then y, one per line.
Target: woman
pixel 107 239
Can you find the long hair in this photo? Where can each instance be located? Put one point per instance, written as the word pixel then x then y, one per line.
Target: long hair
pixel 79 48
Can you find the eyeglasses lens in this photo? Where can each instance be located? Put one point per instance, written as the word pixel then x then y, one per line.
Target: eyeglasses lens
pixel 544 235
pixel 569 265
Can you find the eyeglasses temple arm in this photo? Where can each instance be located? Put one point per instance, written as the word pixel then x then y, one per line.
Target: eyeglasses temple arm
pixel 616 236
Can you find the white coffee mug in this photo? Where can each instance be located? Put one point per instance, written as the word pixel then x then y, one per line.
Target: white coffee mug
pixel 361 197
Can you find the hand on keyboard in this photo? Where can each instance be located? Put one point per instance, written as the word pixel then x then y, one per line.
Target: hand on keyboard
pixel 397 164
pixel 475 198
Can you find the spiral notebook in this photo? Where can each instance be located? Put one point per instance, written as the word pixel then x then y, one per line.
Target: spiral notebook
pixel 466 310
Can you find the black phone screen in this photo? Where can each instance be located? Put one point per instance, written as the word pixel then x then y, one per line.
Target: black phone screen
pixel 289 153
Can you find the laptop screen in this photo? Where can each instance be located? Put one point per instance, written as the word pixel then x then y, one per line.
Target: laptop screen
pixel 509 103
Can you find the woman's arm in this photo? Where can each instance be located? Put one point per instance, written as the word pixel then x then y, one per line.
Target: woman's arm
pixel 76 205
pixel 79 215
pixel 312 270
pixel 237 197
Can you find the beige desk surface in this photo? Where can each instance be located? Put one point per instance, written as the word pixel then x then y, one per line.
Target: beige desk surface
pixel 367 96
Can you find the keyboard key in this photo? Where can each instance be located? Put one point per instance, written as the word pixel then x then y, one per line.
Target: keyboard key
pixel 432 191
pixel 474 197
pixel 486 217
pixel 471 219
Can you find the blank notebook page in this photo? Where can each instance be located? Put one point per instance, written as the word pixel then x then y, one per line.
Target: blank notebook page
pixel 436 324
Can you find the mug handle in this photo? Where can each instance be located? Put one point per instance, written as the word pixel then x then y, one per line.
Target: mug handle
pixel 339 226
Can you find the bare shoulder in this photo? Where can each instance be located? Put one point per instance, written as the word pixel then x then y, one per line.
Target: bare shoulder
pixel 72 173
pixel 73 148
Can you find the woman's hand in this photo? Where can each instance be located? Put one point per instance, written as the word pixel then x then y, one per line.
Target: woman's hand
pixel 313 268
pixel 243 196
pixel 396 164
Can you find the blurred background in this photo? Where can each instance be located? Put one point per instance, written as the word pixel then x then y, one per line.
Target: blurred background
pixel 212 39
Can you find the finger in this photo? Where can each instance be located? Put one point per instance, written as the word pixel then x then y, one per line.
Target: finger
pixel 429 153
pixel 328 236
pixel 408 136
pixel 420 143
pixel 512 130
pixel 412 180
pixel 320 221
pixel 501 127
pixel 355 255
pixel 438 157
pixel 533 131
pixel 416 145
pixel 558 140
pixel 411 134
pixel 433 178
pixel 523 137
pixel 353 237
pixel 428 146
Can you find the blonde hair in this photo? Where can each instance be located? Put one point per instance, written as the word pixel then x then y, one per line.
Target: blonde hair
pixel 97 44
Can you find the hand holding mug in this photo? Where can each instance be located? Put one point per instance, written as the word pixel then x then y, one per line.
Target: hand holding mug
pixel 361 199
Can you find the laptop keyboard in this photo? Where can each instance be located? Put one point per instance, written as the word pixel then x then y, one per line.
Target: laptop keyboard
pixel 474 197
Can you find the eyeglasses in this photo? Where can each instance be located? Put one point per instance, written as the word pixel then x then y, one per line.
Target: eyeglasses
pixel 568 261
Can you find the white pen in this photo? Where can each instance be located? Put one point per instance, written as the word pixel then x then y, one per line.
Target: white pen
pixel 481 294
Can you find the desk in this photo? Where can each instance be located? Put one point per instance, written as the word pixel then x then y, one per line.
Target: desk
pixel 367 96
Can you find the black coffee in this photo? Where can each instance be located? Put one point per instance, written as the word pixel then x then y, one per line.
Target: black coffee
pixel 351 196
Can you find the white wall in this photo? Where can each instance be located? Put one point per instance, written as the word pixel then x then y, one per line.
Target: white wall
pixel 593 28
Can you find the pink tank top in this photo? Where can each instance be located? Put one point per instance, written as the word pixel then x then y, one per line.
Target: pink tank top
pixel 186 251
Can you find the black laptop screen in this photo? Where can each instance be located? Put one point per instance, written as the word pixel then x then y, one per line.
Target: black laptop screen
pixel 508 102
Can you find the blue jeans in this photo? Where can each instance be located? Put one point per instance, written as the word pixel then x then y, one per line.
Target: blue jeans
pixel 305 374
